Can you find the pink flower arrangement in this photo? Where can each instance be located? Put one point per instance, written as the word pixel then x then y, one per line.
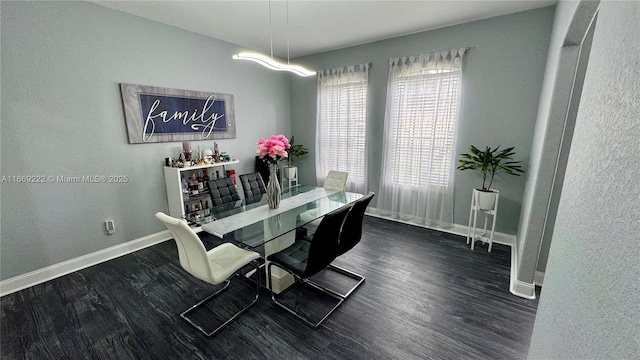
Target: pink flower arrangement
pixel 274 149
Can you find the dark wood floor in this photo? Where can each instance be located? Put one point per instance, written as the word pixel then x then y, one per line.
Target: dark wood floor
pixel 427 296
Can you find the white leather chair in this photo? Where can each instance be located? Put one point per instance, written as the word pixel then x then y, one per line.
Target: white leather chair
pixel 214 266
pixel 335 180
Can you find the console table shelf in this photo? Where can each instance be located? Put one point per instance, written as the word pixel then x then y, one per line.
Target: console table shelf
pixel 173 183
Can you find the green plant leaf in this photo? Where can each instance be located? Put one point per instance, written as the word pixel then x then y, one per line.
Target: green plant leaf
pixel 295 151
pixel 490 162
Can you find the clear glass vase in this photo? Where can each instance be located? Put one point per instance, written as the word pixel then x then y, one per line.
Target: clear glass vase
pixel 273 187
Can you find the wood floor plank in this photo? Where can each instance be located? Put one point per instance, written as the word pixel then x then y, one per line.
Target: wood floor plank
pixel 426 296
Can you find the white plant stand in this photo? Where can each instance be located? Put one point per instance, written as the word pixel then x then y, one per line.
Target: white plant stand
pixel 289 176
pixel 473 214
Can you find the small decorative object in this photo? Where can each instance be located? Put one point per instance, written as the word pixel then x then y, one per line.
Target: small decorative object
pixel 186 149
pixel 272 151
pixel 489 162
pixel 216 152
pixel 179 162
pixel 232 174
pixel 207 156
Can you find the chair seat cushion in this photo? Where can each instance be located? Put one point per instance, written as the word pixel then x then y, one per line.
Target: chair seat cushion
pixel 293 258
pixel 226 259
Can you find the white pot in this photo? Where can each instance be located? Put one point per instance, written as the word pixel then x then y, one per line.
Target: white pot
pixel 290 172
pixel 486 199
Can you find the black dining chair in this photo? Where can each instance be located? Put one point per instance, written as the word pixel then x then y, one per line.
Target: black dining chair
pixel 223 191
pixel 350 236
pixel 306 258
pixel 252 185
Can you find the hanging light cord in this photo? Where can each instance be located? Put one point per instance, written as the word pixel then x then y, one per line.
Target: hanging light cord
pixel 287 32
pixel 270 31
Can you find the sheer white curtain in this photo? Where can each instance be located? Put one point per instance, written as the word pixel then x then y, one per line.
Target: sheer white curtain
pixel 341 124
pixel 418 161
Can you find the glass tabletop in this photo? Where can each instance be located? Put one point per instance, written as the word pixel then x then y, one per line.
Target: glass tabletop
pixel 251 223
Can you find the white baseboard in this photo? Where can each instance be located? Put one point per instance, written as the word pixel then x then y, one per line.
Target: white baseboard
pixel 523 289
pixel 456 229
pixel 516 287
pixel 54 271
pixel 66 267
pixel 538 278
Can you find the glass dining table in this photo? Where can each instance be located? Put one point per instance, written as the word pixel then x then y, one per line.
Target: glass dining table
pixel 250 223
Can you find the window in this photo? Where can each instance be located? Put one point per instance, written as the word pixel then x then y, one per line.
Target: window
pixel 342 123
pixel 422 119
pixel 418 160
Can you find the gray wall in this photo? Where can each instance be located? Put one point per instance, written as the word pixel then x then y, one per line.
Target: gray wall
pixel 501 87
pixel 589 304
pixel 62 115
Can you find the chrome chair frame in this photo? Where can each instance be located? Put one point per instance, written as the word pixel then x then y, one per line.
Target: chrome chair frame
pixel 201 303
pixel 341 298
pixel 197 261
pixel 322 250
pixel 341 251
pixel 350 274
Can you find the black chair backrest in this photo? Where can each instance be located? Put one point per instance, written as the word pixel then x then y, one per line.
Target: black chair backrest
pixel 324 244
pixel 252 184
pixel 223 191
pixel 352 227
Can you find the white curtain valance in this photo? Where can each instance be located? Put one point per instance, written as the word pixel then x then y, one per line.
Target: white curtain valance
pixel 359 68
pixel 426 59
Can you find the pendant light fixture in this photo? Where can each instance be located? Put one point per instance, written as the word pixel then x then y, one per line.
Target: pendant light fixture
pixel 270 62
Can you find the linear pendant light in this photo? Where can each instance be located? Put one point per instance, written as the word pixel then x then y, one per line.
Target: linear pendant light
pixel 269 62
pixel 273 64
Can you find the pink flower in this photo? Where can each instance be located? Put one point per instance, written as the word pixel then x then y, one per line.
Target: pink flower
pixel 273 149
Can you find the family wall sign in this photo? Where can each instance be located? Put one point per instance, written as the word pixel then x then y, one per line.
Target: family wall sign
pixel 155 114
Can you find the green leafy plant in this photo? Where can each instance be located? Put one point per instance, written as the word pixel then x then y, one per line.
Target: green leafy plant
pixel 490 162
pixel 295 151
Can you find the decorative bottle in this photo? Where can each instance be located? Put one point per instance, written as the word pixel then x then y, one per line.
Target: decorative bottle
pixel 185 189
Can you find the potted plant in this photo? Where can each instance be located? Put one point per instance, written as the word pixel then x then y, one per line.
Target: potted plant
pixel 489 162
pixel 294 151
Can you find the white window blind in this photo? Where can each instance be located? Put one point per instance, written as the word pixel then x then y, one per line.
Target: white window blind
pixel 418 161
pixel 342 123
pixel 422 124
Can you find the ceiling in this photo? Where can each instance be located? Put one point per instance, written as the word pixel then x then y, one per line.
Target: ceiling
pixel 315 26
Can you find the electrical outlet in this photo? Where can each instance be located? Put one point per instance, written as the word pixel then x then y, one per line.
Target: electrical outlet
pixel 109 227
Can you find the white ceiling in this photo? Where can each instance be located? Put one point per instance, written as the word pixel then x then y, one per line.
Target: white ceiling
pixel 315 26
